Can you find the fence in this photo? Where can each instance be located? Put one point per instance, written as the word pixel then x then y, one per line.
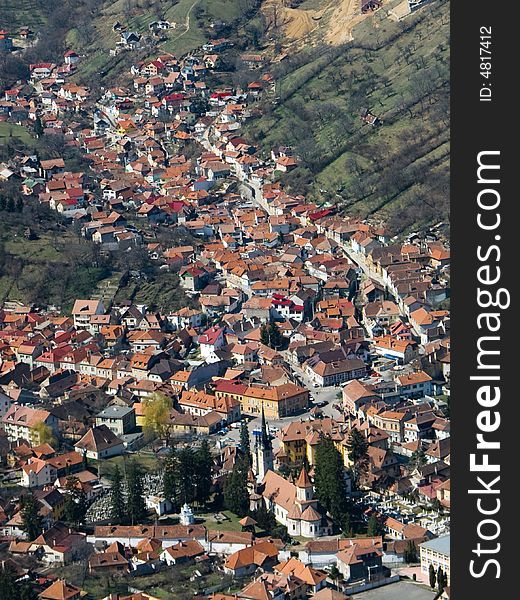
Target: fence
pixel 370 585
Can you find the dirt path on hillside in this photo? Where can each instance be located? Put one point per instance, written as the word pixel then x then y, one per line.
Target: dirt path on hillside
pixel 187 22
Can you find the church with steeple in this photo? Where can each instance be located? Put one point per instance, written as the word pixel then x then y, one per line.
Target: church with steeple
pixel 293 504
pixel 262 452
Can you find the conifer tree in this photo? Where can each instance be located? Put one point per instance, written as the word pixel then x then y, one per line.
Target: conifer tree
pixel 135 494
pixel 32 523
pixel 432 576
pixel 75 502
pixel 170 490
pixel 440 580
pixel 329 480
pixel 357 447
pixel 236 495
pixel 245 443
pixel 186 475
pixel 264 335
pixel 346 525
pixel 410 552
pixel 270 335
pixel 11 586
pixel 118 509
pixel 38 127
pixel 265 518
pixel 373 527
pixel 203 472
pixel 418 458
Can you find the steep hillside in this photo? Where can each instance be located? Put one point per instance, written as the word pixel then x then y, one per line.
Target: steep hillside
pixel 193 22
pixel 397 171
pixel 22 13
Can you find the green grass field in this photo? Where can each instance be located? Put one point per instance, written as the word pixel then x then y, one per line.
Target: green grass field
pixel 19 13
pixel 144 459
pixel 55 268
pixel 12 130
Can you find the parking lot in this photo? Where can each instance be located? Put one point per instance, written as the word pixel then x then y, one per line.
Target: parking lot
pixel 402 590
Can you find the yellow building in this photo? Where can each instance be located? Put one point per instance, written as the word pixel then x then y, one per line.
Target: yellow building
pixel 299 440
pixel 277 401
pixel 230 390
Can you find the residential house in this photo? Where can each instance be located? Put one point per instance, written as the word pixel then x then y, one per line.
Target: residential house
pixel 119 419
pixel 100 442
pixel 19 422
pixel 84 310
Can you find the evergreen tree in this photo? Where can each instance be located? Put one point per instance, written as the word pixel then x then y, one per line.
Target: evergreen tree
pixel 10 206
pixel 19 204
pixel 440 580
pixel 118 512
pixel 335 574
pixel 410 552
pixel 373 527
pixel 3 202
pixel 329 480
pixel 32 523
pixel 203 472
pixel 432 576
pixel 357 447
pixel 236 495
pixel 135 494
pixel 75 502
pixel 264 335
pixel 186 475
pixel 245 443
pixel 270 335
pixel 265 518
pixel 418 458
pixel 346 525
pixel 11 588
pixel 38 127
pixel 275 335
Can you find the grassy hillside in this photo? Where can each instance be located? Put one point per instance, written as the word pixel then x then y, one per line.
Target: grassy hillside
pixel 59 266
pixel 55 268
pixel 160 291
pixel 195 22
pixel 397 172
pixel 18 13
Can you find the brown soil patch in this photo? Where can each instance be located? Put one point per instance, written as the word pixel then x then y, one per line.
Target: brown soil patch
pixel 336 19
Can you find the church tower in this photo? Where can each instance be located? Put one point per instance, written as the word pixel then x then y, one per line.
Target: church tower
pixel 263 452
pixel 304 489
